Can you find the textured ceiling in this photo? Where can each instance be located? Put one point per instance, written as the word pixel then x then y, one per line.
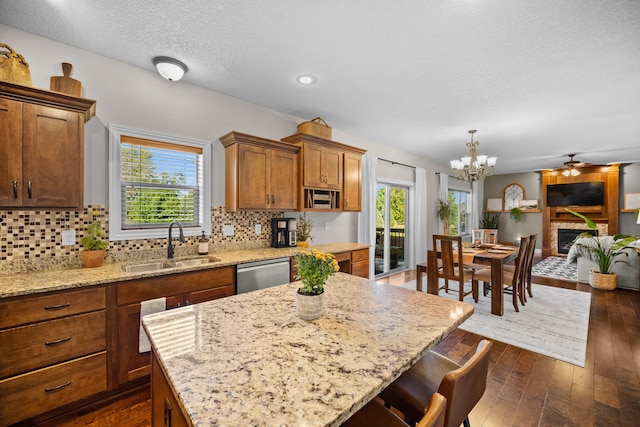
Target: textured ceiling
pixel 538 79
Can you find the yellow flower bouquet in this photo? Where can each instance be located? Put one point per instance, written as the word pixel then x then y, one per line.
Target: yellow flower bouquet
pixel 314 268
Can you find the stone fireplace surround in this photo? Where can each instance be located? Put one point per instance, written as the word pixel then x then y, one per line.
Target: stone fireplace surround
pixel 555 226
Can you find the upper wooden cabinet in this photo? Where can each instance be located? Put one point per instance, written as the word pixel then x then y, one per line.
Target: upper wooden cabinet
pixel 42 142
pixel 331 174
pixel 260 174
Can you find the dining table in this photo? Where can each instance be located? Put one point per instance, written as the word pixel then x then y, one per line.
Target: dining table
pixel 249 360
pixel 495 257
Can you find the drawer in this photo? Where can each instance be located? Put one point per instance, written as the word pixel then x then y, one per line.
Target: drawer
pixel 41 344
pixel 360 269
pixel 210 294
pixel 136 291
pixel 50 306
pixel 360 255
pixel 34 393
pixel 343 256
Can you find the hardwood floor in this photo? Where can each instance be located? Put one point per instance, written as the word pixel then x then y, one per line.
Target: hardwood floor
pixel 523 388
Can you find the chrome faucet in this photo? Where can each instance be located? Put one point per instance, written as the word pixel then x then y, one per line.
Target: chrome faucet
pixel 181 238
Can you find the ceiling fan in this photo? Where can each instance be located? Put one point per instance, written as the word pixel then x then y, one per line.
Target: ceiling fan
pixel 571 166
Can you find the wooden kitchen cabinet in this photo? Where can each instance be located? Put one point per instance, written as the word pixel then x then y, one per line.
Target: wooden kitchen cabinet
pixel 42 142
pixel 180 289
pixel 350 262
pixel 352 182
pixel 53 351
pixel 165 409
pixel 260 174
pixel 331 174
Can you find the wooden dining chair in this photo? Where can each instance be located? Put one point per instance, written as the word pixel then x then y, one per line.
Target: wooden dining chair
pixel 490 236
pixel 375 414
pixel 462 386
pixel 512 278
pixel 451 266
pixel 525 280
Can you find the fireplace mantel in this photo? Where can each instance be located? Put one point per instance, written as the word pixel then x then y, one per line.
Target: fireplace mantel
pixel 605 216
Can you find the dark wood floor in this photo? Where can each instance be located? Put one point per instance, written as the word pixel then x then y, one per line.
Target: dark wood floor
pixel 523 388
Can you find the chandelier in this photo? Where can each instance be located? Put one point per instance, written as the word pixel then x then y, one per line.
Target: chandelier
pixel 473 167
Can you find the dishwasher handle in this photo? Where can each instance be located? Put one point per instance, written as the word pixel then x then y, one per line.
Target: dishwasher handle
pixel 248 268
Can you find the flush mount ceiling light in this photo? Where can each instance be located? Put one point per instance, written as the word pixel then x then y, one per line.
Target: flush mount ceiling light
pixel 474 167
pixel 305 79
pixel 170 68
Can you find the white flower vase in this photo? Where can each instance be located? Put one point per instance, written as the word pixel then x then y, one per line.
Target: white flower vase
pixel 309 307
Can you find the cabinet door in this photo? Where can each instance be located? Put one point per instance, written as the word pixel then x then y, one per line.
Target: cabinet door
pixel 165 410
pixel 284 180
pixel 53 163
pixel 352 182
pixel 253 170
pixel 332 168
pixel 10 153
pixel 313 174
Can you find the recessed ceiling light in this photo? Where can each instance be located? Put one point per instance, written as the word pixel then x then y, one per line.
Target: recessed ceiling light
pixel 305 79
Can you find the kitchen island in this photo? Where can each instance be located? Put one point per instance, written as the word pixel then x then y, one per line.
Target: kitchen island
pixel 249 360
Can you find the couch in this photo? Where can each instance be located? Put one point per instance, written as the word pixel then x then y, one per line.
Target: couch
pixel 628 273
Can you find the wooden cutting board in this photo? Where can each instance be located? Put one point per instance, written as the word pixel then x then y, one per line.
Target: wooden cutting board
pixel 65 83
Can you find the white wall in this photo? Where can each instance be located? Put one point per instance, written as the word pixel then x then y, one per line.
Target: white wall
pixel 139 98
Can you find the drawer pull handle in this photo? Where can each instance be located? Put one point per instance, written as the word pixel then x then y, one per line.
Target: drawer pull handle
pixel 60 341
pixel 57 388
pixel 15 189
pixel 29 189
pixel 57 307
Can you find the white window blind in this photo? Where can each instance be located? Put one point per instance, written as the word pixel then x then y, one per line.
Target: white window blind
pixel 154 179
pixel 160 182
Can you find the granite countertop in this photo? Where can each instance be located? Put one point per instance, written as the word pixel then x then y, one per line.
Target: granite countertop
pixel 249 360
pixel 12 285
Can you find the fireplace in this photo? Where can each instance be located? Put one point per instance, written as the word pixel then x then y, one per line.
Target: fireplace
pixel 566 236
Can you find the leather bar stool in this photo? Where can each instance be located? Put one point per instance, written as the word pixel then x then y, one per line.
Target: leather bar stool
pixel 374 414
pixel 462 386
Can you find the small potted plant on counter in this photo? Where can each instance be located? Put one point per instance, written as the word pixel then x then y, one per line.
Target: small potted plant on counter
pixel 606 250
pixel 94 246
pixel 314 268
pixel 304 231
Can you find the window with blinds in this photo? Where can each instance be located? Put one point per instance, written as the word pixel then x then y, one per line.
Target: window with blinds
pixel 155 179
pixel 159 182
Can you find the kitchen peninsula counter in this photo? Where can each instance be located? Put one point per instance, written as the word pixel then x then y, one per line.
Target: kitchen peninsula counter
pixel 28 283
pixel 249 360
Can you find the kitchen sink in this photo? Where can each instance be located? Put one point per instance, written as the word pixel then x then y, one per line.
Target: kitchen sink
pixel 142 267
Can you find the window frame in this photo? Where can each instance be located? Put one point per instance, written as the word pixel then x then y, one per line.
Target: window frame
pixel 468 212
pixel 116 231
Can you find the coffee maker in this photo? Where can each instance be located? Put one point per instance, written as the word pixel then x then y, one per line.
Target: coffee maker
pixel 283 232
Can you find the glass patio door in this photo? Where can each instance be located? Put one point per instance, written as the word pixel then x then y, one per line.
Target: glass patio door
pixel 391 219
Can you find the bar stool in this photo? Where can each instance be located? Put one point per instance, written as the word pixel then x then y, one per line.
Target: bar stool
pixel 374 414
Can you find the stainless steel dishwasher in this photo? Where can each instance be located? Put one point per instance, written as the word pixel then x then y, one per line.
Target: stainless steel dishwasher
pixel 262 274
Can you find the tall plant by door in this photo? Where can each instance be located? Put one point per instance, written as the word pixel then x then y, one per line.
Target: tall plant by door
pixel 444 211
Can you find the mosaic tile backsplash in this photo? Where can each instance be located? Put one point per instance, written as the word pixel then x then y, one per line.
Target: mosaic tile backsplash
pixel 32 240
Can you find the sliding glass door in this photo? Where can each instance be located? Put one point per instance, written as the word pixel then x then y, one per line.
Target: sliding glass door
pixel 391 219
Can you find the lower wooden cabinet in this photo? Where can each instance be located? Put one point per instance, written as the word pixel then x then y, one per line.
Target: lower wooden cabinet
pixel 350 262
pixel 179 289
pixel 165 410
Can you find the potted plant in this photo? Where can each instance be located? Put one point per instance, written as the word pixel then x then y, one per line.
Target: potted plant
pixel 516 214
pixel 94 246
pixel 304 231
pixel 605 254
pixel 314 268
pixel 490 220
pixel 444 211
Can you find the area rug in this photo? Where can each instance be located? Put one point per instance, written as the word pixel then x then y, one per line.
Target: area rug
pixel 557 267
pixel 555 322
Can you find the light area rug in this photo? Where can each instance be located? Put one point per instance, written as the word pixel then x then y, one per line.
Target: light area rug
pixel 555 322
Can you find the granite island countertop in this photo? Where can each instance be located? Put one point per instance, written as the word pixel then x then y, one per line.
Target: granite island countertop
pixel 249 360
pixel 20 284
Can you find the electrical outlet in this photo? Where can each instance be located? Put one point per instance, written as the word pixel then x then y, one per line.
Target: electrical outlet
pixel 258 228
pixel 326 225
pixel 68 237
pixel 228 230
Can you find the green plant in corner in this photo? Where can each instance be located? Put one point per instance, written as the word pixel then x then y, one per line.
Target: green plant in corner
pixel 91 240
pixel 605 254
pixel 516 214
pixel 304 227
pixel 444 211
